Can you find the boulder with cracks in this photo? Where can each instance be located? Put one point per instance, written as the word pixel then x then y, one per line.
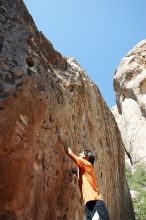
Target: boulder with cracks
pixel 41 91
pixel 130 112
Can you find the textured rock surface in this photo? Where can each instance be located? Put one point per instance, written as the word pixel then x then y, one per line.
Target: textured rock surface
pixel 130 112
pixel 39 92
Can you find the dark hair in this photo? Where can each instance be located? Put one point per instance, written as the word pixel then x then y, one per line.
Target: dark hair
pixel 90 155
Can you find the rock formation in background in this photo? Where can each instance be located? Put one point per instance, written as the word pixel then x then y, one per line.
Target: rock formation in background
pixel 41 91
pixel 130 112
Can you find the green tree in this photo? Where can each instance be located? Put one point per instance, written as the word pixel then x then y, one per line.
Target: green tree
pixel 137 182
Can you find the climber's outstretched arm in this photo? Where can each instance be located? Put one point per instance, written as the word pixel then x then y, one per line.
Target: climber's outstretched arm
pixel 67 149
pixel 66 145
pixel 77 159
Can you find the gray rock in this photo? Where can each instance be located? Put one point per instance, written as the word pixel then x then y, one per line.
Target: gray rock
pixel 130 112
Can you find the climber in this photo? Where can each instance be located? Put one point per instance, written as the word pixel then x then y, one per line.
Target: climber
pixel 95 208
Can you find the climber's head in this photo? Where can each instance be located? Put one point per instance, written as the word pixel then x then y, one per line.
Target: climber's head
pixel 88 155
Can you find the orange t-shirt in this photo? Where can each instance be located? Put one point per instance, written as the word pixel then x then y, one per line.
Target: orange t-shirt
pixel 87 180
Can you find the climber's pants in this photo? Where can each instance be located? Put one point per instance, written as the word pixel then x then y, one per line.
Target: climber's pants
pixel 96 210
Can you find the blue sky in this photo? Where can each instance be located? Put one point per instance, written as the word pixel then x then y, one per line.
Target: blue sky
pixel 97 33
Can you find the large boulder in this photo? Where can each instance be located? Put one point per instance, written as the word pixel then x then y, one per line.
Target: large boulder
pixel 41 91
pixel 130 112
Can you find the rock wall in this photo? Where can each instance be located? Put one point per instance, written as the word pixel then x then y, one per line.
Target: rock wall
pixel 40 91
pixel 130 112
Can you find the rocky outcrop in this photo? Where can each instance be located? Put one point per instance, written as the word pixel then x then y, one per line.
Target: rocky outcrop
pixel 41 91
pixel 130 112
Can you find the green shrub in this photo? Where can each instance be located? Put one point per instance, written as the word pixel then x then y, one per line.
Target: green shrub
pixel 137 182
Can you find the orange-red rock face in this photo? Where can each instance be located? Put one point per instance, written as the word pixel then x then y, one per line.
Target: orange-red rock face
pixel 39 92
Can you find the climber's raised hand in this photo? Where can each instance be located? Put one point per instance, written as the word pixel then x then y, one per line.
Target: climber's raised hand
pixel 62 139
pixel 60 134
